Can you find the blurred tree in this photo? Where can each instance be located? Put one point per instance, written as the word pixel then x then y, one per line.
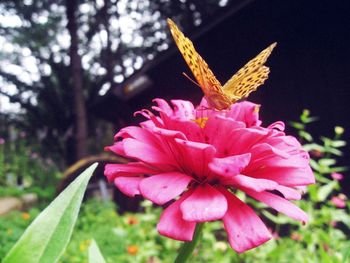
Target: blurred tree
pixel 76 73
pixel 58 58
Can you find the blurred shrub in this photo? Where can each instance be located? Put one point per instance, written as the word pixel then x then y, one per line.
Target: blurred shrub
pixel 23 170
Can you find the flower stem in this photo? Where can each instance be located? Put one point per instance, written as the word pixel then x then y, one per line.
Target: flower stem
pixel 188 247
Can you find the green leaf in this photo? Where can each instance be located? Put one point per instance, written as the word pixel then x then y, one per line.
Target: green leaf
pixel 297 125
pixel 323 180
pixel 335 151
pixel 327 161
pixel 339 169
pixel 280 220
pixel 338 143
pixel 314 165
pixel 347 254
pixel 305 117
pixel 341 216
pixel 48 235
pixel 313 146
pixel 312 190
pixel 305 135
pixel 95 255
pixel 326 190
pixel 327 141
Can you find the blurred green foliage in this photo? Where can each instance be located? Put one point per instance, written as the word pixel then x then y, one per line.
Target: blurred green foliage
pixel 12 227
pixel 23 170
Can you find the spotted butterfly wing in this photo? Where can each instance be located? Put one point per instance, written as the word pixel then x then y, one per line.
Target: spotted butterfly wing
pixel 204 76
pixel 250 77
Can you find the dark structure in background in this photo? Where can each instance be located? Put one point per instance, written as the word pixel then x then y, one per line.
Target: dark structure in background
pixel 310 67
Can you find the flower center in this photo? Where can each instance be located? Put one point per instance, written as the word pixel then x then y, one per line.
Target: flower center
pixel 201 121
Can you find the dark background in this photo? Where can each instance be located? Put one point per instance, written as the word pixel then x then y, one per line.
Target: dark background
pixel 310 66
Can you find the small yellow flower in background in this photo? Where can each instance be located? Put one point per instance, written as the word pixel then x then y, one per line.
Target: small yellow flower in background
pixel 342 196
pixel 132 220
pixel 221 246
pixel 84 245
pixel 306 112
pixel 9 231
pixel 339 130
pixel 25 216
pixel 132 250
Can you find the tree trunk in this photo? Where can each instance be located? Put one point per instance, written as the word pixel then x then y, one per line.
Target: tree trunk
pixel 77 85
pixel 109 54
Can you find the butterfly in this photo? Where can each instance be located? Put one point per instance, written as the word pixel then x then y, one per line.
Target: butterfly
pixel 239 86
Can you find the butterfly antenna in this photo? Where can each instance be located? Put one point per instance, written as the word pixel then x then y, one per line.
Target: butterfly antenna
pixel 183 73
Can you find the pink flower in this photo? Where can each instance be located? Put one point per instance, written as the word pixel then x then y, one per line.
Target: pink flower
pixel 337 176
pixel 296 236
pixel 22 134
pixel 339 201
pixel 195 160
pixel 34 155
pixel 2 141
pixel 275 234
pixel 333 223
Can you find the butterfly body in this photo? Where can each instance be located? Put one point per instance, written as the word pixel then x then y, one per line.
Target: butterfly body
pixel 239 86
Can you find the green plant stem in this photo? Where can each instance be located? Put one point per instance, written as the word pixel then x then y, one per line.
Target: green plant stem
pixel 188 247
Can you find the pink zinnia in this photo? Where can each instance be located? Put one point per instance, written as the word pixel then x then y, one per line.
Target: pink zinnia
pixel 337 176
pixel 339 201
pixel 200 158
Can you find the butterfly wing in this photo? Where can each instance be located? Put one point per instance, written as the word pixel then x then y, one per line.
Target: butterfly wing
pixel 206 79
pixel 248 78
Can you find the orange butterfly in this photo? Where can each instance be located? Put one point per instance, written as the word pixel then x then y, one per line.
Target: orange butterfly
pixel 239 86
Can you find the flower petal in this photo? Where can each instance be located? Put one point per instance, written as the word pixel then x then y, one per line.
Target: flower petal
pixel 244 139
pixel 278 125
pixel 280 204
pixel 285 176
pixel 168 133
pixel 128 185
pixel 147 125
pixel 204 204
pixel 265 154
pixel 219 129
pixel 157 121
pixel 130 169
pixel 162 188
pixel 246 112
pixel 163 106
pixel 276 164
pixel 194 157
pixel 134 132
pixel 244 228
pixel 258 185
pixel 183 109
pixel 171 224
pixel 289 193
pixel 181 119
pixel 229 166
pixel 146 152
pixel 117 148
pixel 190 129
